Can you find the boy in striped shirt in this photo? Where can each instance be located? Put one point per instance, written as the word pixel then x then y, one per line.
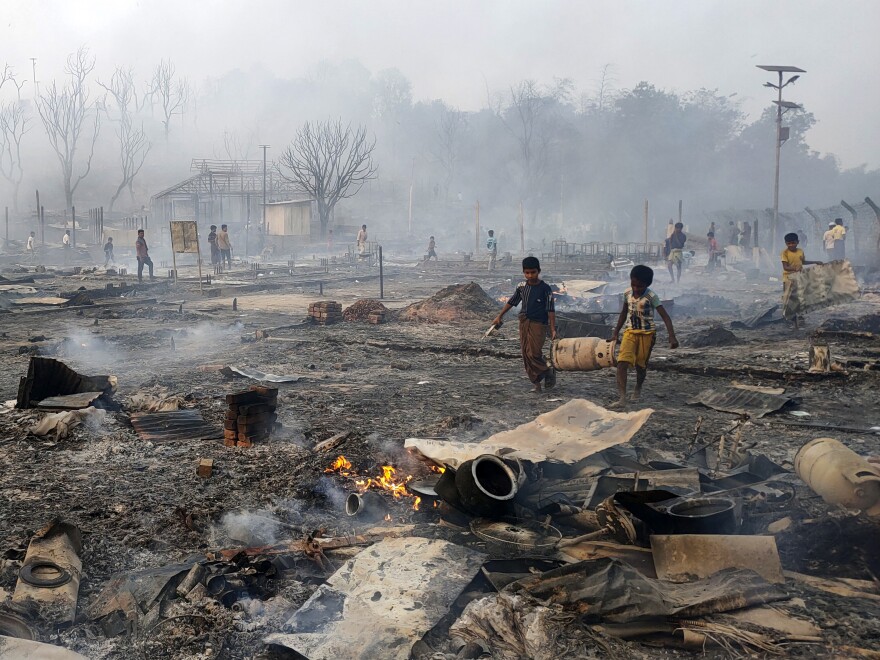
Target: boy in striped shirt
pixel 639 303
pixel 536 314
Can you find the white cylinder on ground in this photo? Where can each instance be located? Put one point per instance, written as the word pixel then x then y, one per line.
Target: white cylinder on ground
pixel 583 354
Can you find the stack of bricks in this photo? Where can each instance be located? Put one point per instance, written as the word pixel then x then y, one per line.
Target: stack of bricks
pixel 376 317
pixel 325 312
pixel 251 416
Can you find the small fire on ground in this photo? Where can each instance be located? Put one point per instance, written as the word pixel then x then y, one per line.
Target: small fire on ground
pixel 387 481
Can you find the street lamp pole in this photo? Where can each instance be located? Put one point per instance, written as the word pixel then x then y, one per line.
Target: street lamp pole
pixel 781 136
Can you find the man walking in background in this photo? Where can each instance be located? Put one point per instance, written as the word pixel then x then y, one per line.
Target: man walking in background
pixel 828 241
pixel 839 239
pixel 143 256
pixel 225 246
pixel 31 247
pixel 212 243
pixel 492 247
pixel 362 241
pixel 108 253
pixel 676 250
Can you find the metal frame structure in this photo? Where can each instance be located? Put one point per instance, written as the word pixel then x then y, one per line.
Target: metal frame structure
pixel 216 180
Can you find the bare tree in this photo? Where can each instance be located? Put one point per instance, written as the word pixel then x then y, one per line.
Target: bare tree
pixel 64 112
pixel 236 147
pixel 330 161
pixel 523 118
pixel 14 122
pixel 449 125
pixel 171 91
pixel 133 143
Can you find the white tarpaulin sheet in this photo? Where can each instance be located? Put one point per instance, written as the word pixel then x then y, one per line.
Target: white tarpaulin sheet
pixel 820 286
pixel 570 433
pixel 382 601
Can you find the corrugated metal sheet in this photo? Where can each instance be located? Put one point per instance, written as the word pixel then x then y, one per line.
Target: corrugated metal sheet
pixel 740 402
pixel 173 426
pixel 69 401
pixel 48 377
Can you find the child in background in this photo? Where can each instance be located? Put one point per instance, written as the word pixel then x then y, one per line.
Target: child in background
pixel 639 303
pixel 536 314
pixel 714 252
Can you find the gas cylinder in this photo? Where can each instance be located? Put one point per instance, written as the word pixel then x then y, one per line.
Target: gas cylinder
pixel 839 475
pixel 582 354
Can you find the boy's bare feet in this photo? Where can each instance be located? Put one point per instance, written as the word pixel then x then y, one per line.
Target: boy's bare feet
pixel 618 405
pixel 536 389
pixel 635 396
pixel 550 379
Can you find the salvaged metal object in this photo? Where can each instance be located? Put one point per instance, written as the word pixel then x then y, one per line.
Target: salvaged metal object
pixel 516 537
pixel 683 557
pixel 366 506
pixel 582 354
pixel 839 476
pixel 487 485
pixel 49 577
pixel 174 426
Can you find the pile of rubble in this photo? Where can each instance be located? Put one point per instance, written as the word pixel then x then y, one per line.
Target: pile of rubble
pixel 362 310
pixel 459 303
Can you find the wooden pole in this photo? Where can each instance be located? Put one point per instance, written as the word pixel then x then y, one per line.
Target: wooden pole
pixel 646 222
pixel 173 253
pixel 679 210
pixel 39 220
pixel 477 230
pixel 522 230
pixel 381 276
pixel 42 225
pixel 73 215
pixel 199 254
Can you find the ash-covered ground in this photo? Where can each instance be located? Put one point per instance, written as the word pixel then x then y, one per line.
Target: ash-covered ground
pixel 140 504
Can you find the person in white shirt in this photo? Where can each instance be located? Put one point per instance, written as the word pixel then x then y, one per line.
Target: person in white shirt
pixel 839 239
pixel 828 241
pixel 65 240
pixel 30 248
pixel 362 240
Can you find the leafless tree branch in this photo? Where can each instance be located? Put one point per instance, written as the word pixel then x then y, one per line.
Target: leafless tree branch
pixel 329 161
pixel 63 111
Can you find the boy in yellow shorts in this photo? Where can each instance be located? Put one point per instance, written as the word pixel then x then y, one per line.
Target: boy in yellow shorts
pixel 639 303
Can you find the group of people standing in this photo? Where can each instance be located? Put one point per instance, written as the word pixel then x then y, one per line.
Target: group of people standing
pixel 221 246
pixel 834 240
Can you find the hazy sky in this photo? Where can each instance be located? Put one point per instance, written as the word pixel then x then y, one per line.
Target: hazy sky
pixel 450 48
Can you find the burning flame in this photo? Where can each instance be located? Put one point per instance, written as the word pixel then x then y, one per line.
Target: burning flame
pixel 416 503
pixel 386 482
pixel 340 465
pixel 437 469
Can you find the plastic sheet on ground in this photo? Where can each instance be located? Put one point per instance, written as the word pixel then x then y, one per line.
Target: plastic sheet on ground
pixel 378 604
pixel 616 592
pixel 514 626
pixel 13 648
pixel 570 433
pixel 819 287
pixel 63 422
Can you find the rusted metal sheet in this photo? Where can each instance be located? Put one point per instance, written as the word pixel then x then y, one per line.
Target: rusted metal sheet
pixel 174 425
pixel 48 377
pixel 740 402
pixel 69 401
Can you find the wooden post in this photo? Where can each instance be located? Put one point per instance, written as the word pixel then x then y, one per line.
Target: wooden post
pixel 39 221
pixel 679 210
pixel 173 253
pixel 522 230
pixel 73 231
pixel 477 230
pixel 42 211
pixel 646 222
pixel 198 256
pixel 381 276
